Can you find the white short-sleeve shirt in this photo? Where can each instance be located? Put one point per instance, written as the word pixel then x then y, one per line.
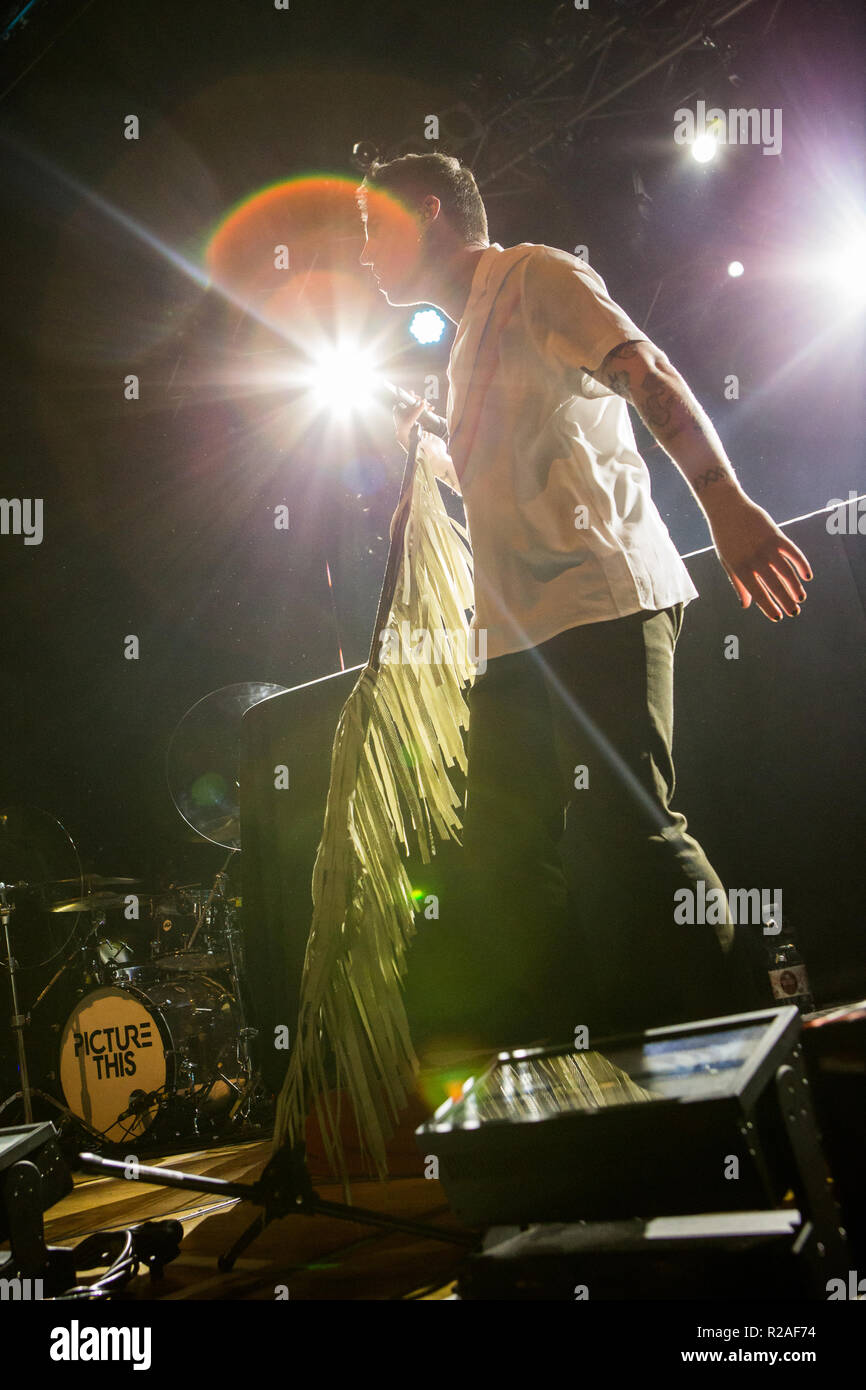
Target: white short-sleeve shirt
pixel 563 528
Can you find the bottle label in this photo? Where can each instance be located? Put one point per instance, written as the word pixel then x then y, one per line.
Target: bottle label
pixel 788 982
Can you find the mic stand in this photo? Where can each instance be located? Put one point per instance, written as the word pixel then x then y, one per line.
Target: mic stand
pixel 18 1022
pixel 284 1189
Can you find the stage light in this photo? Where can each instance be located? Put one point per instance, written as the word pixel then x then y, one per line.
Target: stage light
pixel 704 147
pixel 845 268
pixel 342 380
pixel 736 269
pixel 427 326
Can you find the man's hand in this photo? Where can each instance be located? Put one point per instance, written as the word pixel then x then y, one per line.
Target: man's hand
pixel 404 418
pixel 761 562
pixel 436 450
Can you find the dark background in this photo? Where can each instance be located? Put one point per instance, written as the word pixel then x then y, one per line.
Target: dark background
pixel 158 513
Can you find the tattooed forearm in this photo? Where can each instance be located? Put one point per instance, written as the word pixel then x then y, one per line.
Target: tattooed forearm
pixel 682 428
pixel 668 411
pixel 661 408
pixel 643 376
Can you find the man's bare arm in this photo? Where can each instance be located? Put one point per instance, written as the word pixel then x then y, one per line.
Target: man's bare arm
pixel 761 562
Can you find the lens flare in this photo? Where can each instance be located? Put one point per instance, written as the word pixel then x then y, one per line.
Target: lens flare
pixel 427 326
pixel 343 380
pixel 704 148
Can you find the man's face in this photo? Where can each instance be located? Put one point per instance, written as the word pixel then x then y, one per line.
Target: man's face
pixel 393 250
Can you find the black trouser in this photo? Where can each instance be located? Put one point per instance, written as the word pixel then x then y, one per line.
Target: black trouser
pixel 543 930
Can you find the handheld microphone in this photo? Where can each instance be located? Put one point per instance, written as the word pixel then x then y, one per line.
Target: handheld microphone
pixel 427 420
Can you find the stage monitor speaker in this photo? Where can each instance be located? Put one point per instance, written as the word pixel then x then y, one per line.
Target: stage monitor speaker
pixel 281 826
pixel 698 1120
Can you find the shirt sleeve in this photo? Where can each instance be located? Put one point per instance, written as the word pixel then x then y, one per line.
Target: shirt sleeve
pixel 570 316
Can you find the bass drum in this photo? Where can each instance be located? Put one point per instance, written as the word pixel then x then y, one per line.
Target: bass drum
pixel 133 1049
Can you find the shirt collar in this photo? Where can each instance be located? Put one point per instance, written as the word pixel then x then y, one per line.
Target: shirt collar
pixel 481 275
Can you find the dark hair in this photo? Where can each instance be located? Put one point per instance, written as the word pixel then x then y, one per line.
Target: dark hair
pixel 413 176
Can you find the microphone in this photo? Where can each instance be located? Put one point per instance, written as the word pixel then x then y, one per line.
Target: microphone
pixel 427 420
pixel 139 1102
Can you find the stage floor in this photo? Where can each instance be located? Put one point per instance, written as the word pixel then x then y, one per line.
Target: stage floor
pixel 322 1258
pixel 310 1257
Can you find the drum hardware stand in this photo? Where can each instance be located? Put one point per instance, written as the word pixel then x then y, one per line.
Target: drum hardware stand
pixel 76 951
pixel 217 890
pixel 18 1023
pixel 284 1189
pixel 249 1093
pixel 252 1089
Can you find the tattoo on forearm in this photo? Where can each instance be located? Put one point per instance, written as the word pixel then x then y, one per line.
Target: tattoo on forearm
pixel 717 474
pixel 617 380
pixel 661 408
pixel 664 403
pixel 657 405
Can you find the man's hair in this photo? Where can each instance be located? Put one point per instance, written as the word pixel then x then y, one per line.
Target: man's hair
pixel 413 176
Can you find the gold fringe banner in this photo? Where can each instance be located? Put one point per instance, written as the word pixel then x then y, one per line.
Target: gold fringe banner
pixel 398 734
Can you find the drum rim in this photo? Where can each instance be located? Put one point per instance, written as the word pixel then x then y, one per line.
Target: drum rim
pixel 157 1013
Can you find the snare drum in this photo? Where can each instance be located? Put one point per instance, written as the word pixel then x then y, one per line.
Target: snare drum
pixel 117 958
pixel 132 1049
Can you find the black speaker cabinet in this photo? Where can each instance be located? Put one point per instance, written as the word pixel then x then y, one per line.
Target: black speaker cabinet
pixel 280 831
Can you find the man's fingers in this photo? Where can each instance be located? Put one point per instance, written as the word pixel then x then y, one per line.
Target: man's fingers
pixel 782 589
pixel 796 558
pixel 785 588
pixel 766 600
pixel 409 413
pixel 772 578
pixel 740 589
pixel 405 418
pixel 785 567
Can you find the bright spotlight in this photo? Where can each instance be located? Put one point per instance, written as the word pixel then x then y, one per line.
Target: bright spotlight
pixel 704 147
pixel 736 269
pixel 342 380
pixel 427 326
pixel 846 268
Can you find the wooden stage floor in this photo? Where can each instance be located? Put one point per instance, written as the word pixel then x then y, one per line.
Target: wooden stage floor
pixel 307 1257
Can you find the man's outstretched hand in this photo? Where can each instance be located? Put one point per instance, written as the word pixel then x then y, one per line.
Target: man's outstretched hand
pixel 761 562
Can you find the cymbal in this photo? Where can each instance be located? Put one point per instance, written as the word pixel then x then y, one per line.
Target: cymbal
pixel 94 902
pixel 95 879
pixel 203 758
pixel 37 850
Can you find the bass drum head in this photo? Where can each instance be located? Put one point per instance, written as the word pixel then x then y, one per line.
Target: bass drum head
pixel 111 1046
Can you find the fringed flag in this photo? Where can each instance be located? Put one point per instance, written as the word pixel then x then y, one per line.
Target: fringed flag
pixel 398 734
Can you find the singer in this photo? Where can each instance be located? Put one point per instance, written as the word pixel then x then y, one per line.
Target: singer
pixel 581 593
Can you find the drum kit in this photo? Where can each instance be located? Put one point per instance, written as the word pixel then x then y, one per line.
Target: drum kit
pixel 141 1031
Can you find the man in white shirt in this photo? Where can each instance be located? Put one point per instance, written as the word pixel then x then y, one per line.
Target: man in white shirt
pixel 580 592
